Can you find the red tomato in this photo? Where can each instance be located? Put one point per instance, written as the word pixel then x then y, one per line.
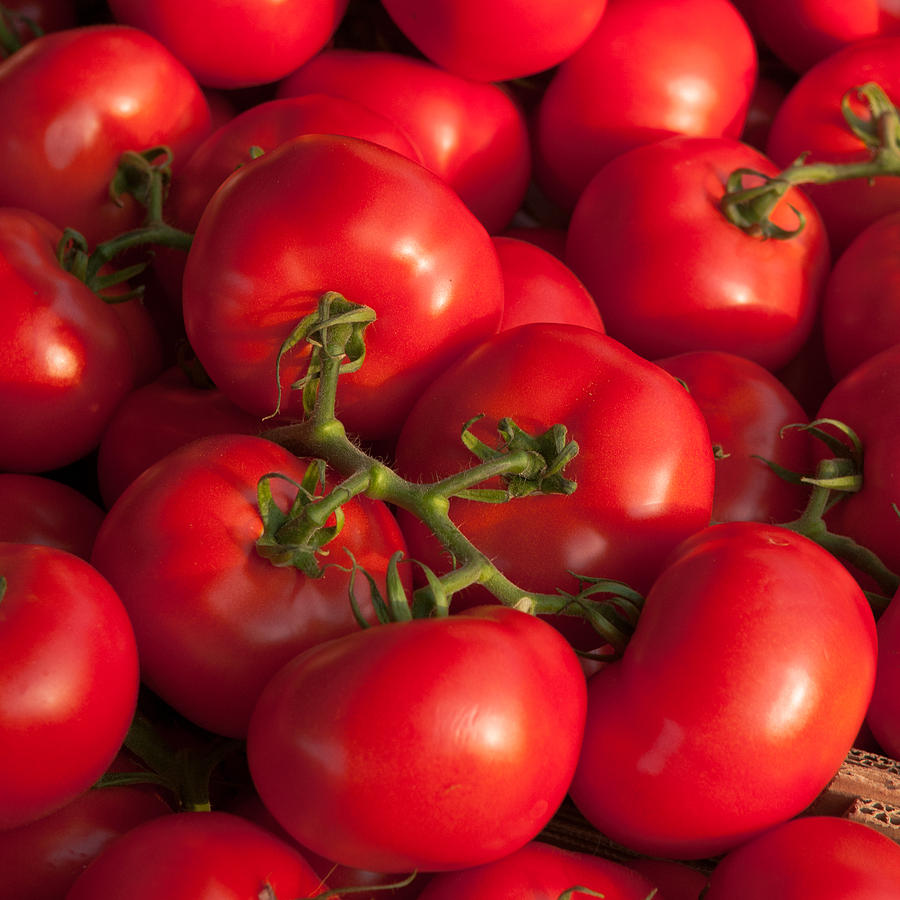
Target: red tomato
pixel 197 856
pixel 39 510
pixel 650 69
pixel 547 237
pixel 327 213
pixel 69 679
pixel 861 303
pixel 676 881
pixel 214 619
pixel 539 287
pixel 265 125
pixel 768 95
pixel 130 93
pixel 825 857
pixel 743 688
pixel 746 407
pixel 540 872
pixel 801 33
pixel 629 419
pixel 251 807
pixel 158 418
pixel 66 358
pixel 432 744
pixel 40 860
pixel 473 135
pixel 810 121
pixel 883 717
pixel 239 43
pixel 868 400
pixel 497 40
pixel 675 275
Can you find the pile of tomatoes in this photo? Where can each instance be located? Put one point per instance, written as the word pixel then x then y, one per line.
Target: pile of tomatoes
pixel 415 416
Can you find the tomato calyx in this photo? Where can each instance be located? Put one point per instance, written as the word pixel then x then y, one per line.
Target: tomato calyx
pixel 749 208
pixel 297 537
pixel 834 479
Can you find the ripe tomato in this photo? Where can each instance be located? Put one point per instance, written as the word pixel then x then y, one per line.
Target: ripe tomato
pixel 743 688
pixel 498 40
pixel 66 361
pixel 539 287
pixel 39 510
pixel 540 872
pixel 867 399
pixel 861 303
pixel 240 43
pixel 629 419
pixel 810 121
pixel 214 619
pixel 883 717
pixel 264 125
pixel 723 289
pixel 825 857
pixel 197 856
pixel 68 679
pixel 432 744
pixel 130 94
pixel 746 407
pixel 801 33
pixel 328 213
pixel 473 135
pixel 650 69
pixel 158 418
pixel 40 860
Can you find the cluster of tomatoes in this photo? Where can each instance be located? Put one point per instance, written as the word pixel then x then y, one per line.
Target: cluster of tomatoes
pixel 414 416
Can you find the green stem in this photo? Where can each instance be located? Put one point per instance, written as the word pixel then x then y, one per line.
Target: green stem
pixel 749 208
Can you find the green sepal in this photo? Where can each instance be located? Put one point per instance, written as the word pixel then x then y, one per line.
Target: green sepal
pixel 336 329
pixel 381 608
pixel 294 538
pixel 433 600
pixel 136 172
pixel 867 129
pixel 579 889
pixel 3 585
pixel 547 453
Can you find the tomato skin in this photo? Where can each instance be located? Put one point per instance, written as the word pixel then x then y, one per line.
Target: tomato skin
pixel 40 510
pixel 130 94
pixel 68 687
pixel 743 688
pixel 826 857
pixel 801 33
pixel 746 407
pixel 883 718
pixel 650 69
pixel 197 856
pixel 156 419
pixel 861 303
pixel 66 360
pixel 724 289
pixel 265 125
pixel 40 860
pixel 240 44
pixel 496 40
pixel 539 287
pixel 810 120
pixel 539 871
pixel 433 744
pixel 215 620
pixel 867 400
pixel 472 135
pixel 627 416
pixel 279 234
